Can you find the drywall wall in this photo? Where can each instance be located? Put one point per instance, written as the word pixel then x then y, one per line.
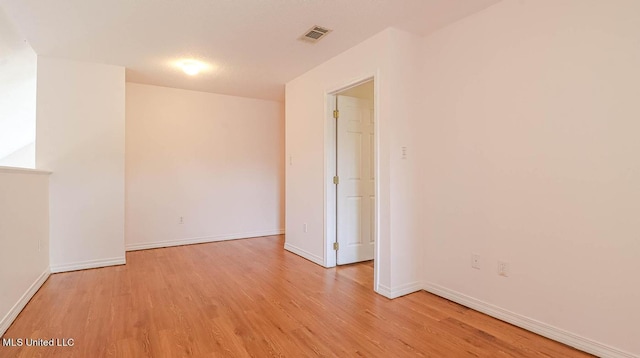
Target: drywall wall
pixel 403 170
pixel 24 239
pixel 17 96
pixel 531 146
pixel 80 131
pixel 308 175
pixel 24 157
pixel 215 161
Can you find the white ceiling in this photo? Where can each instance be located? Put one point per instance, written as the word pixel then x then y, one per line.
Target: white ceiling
pixel 252 43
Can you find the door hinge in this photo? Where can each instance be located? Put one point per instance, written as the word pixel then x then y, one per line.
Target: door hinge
pixel 336 246
pixel 336 114
pixel 336 180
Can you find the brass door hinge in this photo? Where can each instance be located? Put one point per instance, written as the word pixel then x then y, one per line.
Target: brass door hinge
pixel 336 114
pixel 336 246
pixel 336 180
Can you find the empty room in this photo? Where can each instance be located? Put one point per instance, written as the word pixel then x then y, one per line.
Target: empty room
pixel 301 178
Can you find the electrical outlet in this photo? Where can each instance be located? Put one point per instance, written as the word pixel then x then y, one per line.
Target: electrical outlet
pixel 503 268
pixel 304 227
pixel 475 261
pixel 181 220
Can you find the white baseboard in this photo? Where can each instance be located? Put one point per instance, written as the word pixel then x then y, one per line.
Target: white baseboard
pixel 398 291
pixel 22 302
pixel 306 254
pixel 83 265
pixel 384 290
pixel 543 329
pixel 200 240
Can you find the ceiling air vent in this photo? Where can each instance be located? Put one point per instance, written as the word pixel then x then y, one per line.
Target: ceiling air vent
pixel 314 34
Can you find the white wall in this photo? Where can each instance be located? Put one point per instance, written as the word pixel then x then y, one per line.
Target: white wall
pixel 24 157
pixel 24 239
pixel 216 161
pixel 80 131
pixel 17 96
pixel 530 125
pixel 404 210
pixel 308 177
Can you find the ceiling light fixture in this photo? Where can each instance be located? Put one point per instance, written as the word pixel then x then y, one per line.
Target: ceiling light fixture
pixel 191 67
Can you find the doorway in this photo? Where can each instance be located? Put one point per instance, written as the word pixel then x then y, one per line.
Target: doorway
pixel 355 176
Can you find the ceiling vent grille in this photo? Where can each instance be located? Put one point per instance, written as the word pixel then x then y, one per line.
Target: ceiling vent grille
pixel 315 34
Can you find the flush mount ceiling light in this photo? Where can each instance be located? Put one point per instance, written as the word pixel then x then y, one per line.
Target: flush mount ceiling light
pixel 191 67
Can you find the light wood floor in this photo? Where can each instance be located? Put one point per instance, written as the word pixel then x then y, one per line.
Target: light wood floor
pixel 250 298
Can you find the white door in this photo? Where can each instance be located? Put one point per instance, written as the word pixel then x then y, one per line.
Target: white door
pixel 356 187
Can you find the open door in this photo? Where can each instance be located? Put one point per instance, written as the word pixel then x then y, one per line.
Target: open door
pixel 355 188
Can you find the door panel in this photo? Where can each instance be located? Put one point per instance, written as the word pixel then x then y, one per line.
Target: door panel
pixel 353 155
pixel 353 212
pixel 355 192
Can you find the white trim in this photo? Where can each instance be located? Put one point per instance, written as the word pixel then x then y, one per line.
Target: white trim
pixel 376 159
pixel 90 264
pixel 329 219
pixel 23 170
pixel 8 319
pixel 305 254
pixel 543 329
pixel 201 240
pixel 384 290
pixel 400 290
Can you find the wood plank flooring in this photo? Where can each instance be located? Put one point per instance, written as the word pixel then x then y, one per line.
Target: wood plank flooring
pixel 251 298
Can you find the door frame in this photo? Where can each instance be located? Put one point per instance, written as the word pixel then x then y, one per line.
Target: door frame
pixel 330 170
